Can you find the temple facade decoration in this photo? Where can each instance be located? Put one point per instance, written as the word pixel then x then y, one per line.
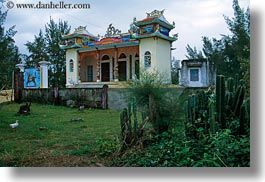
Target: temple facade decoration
pixel 120 56
pixel 197 73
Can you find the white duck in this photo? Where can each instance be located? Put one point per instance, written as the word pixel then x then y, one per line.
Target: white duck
pixel 81 108
pixel 14 125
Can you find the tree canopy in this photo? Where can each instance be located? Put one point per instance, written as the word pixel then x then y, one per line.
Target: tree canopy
pixel 231 53
pixel 46 47
pixel 9 55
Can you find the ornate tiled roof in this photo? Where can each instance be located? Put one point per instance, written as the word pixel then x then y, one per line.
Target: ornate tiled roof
pixel 147 19
pixel 79 32
pixel 82 30
pixel 155 34
pixel 155 16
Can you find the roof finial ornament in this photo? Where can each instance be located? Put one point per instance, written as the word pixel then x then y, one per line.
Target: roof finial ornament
pixel 155 13
pixel 80 28
pixel 176 36
pixel 133 28
pixel 148 15
pixel 112 31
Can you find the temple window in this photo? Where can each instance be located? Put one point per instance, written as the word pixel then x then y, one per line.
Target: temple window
pixel 122 56
pixel 164 31
pixel 71 65
pixel 147 59
pixel 105 57
pixel 70 42
pixel 194 75
pixel 148 29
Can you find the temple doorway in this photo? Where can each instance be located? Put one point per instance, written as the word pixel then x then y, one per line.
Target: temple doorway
pixel 90 73
pixel 122 71
pixel 105 72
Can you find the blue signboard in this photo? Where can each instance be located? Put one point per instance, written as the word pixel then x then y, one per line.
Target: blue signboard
pixel 32 78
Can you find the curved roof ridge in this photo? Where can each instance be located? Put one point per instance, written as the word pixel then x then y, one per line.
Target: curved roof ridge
pixel 83 31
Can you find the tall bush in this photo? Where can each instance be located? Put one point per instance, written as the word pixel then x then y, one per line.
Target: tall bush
pixel 150 92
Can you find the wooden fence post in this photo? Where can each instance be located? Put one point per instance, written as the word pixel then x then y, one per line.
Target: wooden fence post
pixel 104 97
pixel 18 86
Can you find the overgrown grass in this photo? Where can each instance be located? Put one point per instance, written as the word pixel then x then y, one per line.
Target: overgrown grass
pixel 64 143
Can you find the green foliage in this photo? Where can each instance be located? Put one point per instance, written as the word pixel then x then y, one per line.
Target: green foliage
pixel 74 143
pixel 9 55
pixel 46 47
pixel 220 100
pixel 193 53
pixel 232 151
pixel 131 131
pixel 173 150
pixel 235 50
pixel 37 50
pixel 96 141
pixel 53 37
pixel 200 113
pixel 227 108
pixel 175 71
pixel 231 53
pixel 83 150
pixel 150 93
pixel 227 145
pixel 106 147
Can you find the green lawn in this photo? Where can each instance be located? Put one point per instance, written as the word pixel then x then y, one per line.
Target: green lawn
pixel 64 143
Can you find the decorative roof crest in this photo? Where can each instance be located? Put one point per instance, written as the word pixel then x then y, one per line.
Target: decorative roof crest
pixel 80 29
pixel 111 31
pixel 155 13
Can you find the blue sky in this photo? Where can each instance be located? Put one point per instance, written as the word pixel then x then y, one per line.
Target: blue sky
pixel 193 18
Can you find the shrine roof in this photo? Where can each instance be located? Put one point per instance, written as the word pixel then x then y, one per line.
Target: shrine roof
pixel 155 34
pixel 109 46
pixel 155 17
pixel 70 46
pixel 147 20
pixel 80 32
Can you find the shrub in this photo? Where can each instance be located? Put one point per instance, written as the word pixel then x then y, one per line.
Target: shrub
pixel 174 150
pixel 150 93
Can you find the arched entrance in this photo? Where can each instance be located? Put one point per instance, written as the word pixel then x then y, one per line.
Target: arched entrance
pixel 105 68
pixel 122 67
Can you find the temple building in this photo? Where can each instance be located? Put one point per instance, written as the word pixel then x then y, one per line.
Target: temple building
pixel 120 56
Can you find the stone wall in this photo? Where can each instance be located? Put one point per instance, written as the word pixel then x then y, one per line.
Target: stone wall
pixel 71 97
pixel 118 97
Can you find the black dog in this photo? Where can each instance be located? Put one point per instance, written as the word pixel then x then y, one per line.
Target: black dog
pixel 24 109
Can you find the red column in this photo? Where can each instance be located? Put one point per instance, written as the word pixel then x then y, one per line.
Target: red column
pixel 98 66
pixel 116 66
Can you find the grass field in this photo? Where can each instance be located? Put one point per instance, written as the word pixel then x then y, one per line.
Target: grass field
pixel 64 143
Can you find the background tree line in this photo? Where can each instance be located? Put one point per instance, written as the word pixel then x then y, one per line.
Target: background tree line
pixel 230 53
pixel 9 55
pixel 45 46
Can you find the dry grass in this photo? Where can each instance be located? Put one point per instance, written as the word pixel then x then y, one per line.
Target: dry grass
pixel 5 95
